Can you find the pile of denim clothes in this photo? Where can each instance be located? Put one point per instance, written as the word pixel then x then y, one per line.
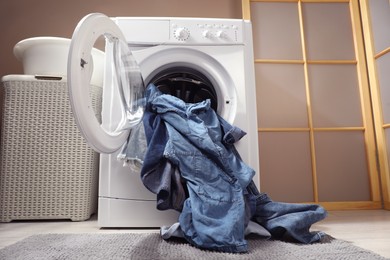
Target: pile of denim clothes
pixel 190 163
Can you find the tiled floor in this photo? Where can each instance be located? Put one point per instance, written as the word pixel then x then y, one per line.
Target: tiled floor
pixel 369 229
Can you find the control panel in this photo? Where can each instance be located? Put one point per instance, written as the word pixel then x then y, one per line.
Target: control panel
pixel 186 31
pixel 207 31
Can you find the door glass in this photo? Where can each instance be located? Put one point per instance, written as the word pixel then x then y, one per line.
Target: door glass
pixel 328 31
pixel 96 84
pixel 123 88
pixel 286 156
pixel 383 65
pixel 276 38
pixel 335 95
pixel 342 166
pixel 380 15
pixel 281 95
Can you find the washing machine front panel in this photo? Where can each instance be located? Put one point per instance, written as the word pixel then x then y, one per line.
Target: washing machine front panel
pixel 120 182
pixel 227 79
pixel 123 75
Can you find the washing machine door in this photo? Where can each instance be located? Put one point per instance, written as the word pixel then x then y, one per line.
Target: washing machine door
pixel 121 72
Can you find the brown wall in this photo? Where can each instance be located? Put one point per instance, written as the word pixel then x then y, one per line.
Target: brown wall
pixel 20 19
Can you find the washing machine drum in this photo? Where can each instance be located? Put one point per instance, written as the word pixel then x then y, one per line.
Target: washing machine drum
pixel 124 75
pixel 187 84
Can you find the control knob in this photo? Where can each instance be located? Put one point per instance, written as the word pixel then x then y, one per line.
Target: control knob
pixel 206 34
pixel 220 34
pixel 182 34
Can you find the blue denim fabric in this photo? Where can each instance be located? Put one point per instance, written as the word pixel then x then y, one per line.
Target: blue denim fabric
pixel 133 151
pixel 222 197
pixel 285 221
pixel 158 174
pixel 213 215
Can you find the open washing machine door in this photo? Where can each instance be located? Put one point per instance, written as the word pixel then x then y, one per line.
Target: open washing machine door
pixel 124 75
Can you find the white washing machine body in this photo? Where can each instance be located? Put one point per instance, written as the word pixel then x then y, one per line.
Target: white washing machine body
pixel 219 50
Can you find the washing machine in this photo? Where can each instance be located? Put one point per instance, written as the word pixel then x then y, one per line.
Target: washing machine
pixel 191 58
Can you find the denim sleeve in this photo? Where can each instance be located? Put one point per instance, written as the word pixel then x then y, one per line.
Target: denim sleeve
pixel 232 134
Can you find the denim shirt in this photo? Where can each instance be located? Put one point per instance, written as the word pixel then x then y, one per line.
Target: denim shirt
pixel 213 215
pixel 158 174
pixel 221 197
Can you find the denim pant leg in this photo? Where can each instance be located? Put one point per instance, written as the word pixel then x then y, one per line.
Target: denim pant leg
pixel 285 221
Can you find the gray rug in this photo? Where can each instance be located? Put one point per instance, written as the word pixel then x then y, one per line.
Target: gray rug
pixel 151 246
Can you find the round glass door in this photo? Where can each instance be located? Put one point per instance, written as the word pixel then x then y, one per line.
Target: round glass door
pixel 122 76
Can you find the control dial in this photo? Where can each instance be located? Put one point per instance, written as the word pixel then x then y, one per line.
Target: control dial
pixel 220 34
pixel 182 34
pixel 206 34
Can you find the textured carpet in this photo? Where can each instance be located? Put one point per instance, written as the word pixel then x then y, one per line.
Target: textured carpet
pixel 151 246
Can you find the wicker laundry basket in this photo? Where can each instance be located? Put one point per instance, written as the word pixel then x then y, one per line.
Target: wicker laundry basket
pixel 47 171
